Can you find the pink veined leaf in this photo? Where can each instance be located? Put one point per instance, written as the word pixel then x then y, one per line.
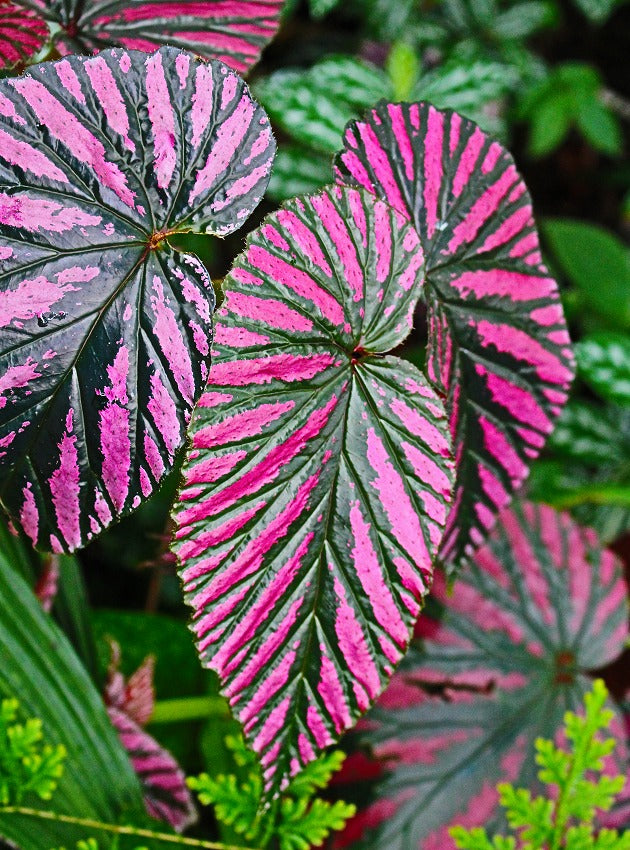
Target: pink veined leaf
pixel 232 31
pixel 23 33
pixel 130 705
pixel 316 489
pixel 48 582
pixel 499 351
pixel 105 329
pixel 495 664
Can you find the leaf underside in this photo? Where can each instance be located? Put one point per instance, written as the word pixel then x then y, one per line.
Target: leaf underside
pixel 106 330
pixel 499 350
pixel 316 488
pixel 231 31
pixel 502 660
pixel 22 34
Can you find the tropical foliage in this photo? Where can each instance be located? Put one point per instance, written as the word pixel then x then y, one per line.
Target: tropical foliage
pixel 328 391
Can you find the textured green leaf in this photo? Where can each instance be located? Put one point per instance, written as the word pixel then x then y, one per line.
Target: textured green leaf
pixel 604 363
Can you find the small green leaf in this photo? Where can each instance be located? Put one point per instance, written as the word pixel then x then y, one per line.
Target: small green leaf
pixel 604 363
pixel 403 68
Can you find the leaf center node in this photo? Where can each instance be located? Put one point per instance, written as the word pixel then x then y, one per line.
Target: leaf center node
pixel 565 667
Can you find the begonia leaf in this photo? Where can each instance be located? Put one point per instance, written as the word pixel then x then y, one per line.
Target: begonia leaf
pixel 106 329
pixel 499 350
pixel 232 31
pixel 495 665
pixel 23 33
pixel 320 471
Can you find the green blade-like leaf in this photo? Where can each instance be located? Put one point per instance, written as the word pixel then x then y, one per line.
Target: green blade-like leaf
pixel 40 669
pixel 316 488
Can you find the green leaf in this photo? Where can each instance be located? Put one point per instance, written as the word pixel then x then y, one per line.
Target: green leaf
pixel 550 123
pixel 298 170
pixel 40 669
pixel 320 8
pixel 313 106
pixel 403 68
pixel 523 19
pixel 596 10
pixel 302 826
pixel 604 363
pixel 596 262
pixel 600 127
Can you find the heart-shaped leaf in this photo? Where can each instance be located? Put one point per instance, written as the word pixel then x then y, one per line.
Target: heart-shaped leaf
pixel 232 31
pixel 105 328
pixel 496 667
pixel 22 34
pixel 499 350
pixel 316 489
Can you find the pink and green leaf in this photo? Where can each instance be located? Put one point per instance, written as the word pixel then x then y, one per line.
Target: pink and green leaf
pixel 130 704
pixel 106 329
pixel 316 488
pixel 495 665
pixel 23 33
pixel 231 31
pixel 499 351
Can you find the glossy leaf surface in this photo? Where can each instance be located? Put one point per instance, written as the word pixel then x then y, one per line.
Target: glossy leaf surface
pixel 23 33
pixel 232 31
pixel 106 329
pixel 494 666
pixel 499 350
pixel 316 489
pixel 98 781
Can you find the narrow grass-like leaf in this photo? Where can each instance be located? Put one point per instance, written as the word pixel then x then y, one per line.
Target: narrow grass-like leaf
pixel 232 31
pixel 316 489
pixel 98 781
pixel 106 329
pixel 23 33
pixel 499 350
pixel 495 665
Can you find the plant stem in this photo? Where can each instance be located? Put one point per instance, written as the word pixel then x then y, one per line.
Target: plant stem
pixel 118 830
pixel 189 708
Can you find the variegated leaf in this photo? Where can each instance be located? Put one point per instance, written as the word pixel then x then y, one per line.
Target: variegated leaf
pixel 499 350
pixel 495 665
pixel 316 489
pixel 23 33
pixel 106 329
pixel 130 704
pixel 232 31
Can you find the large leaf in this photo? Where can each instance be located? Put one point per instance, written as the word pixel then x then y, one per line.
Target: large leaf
pixel 494 668
pixel 316 489
pixel 22 34
pixel 40 669
pixel 499 350
pixel 233 31
pixel 105 328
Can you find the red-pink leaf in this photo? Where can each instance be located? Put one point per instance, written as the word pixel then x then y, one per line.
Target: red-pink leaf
pixel 23 33
pixel 495 665
pixel 316 489
pixel 499 350
pixel 130 705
